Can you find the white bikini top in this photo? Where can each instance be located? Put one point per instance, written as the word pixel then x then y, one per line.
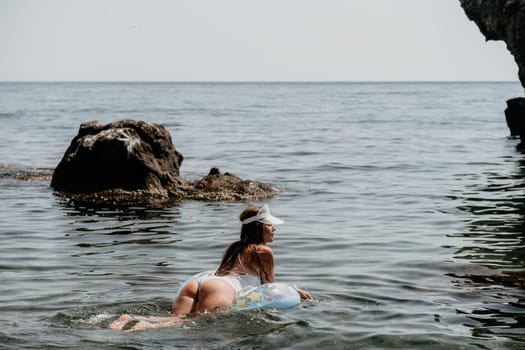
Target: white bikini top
pixel 241 280
pixel 254 280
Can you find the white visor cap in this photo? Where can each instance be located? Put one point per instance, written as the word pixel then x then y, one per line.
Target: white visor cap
pixel 264 216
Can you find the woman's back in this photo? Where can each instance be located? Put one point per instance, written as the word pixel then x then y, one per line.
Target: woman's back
pixel 255 260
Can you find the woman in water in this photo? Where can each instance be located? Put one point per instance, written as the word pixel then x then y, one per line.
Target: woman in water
pixel 248 262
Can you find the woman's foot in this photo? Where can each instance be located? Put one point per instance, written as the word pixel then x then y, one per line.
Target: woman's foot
pixel 128 323
pixel 120 323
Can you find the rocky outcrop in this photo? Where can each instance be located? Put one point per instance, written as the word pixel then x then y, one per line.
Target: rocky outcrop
pixel 504 20
pixel 128 155
pixel 515 109
pixel 217 186
pixel 26 174
pixel 136 162
pixel 501 20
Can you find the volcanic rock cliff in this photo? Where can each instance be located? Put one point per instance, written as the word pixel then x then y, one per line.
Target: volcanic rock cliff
pixel 504 20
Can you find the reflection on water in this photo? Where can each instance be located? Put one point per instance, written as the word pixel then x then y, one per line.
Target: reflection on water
pixel 493 245
pixel 124 224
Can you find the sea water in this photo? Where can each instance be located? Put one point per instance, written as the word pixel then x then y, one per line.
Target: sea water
pixel 403 202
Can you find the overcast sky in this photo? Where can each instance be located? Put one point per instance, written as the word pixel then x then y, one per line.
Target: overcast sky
pixel 245 40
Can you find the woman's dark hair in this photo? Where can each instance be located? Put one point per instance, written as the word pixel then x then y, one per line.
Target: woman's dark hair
pixel 251 233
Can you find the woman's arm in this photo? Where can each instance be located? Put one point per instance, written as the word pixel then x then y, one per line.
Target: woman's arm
pixel 304 294
pixel 267 273
pixel 264 256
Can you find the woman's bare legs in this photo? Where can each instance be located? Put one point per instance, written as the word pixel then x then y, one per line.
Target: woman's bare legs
pixel 184 305
pixel 214 294
pixel 121 322
pixel 187 300
pixel 210 295
pixel 193 299
pixel 128 323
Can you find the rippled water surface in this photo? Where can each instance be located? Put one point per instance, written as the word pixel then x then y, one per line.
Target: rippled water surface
pixel 404 207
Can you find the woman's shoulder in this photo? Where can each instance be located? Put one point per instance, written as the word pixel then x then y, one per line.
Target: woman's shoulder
pixel 260 249
pixel 263 252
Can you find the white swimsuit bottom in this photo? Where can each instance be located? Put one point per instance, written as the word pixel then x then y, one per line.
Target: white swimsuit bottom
pixel 237 282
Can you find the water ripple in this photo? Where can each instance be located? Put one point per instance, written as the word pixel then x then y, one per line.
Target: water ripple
pixel 404 216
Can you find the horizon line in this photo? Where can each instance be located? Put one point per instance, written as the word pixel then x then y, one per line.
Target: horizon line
pixel 252 81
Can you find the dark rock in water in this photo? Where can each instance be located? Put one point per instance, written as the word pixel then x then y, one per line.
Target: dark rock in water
pixel 217 186
pixel 128 155
pixel 515 115
pixel 501 20
pixel 136 162
pixel 25 174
